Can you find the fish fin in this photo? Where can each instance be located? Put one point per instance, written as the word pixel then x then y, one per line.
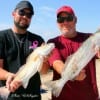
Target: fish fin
pixel 25 83
pixel 55 87
pixel 4 93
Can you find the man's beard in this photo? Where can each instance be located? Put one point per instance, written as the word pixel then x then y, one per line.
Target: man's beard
pixel 20 26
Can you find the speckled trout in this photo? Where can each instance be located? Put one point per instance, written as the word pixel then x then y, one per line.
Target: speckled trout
pixel 75 63
pixel 33 64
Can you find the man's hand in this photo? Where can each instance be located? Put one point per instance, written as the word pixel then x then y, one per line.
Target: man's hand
pixel 97 50
pixel 81 76
pixel 12 84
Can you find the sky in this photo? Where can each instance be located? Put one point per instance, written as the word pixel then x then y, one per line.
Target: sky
pixel 44 21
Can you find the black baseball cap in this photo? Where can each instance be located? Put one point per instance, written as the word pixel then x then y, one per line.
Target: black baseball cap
pixel 25 4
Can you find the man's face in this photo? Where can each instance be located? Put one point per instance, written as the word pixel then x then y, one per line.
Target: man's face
pixel 66 24
pixel 22 18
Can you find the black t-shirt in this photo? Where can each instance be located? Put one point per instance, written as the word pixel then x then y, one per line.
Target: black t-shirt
pixel 14 50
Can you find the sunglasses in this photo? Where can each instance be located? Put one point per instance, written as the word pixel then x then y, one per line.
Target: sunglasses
pixel 62 19
pixel 23 13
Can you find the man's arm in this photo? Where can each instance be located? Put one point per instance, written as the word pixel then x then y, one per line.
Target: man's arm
pixel 3 73
pixel 8 76
pixel 58 65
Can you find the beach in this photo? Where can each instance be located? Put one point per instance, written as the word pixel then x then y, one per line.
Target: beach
pixel 46 94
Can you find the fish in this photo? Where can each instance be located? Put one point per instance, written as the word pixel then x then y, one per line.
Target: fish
pixel 33 64
pixel 76 62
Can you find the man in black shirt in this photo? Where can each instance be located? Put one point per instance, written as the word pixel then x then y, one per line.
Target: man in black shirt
pixel 15 45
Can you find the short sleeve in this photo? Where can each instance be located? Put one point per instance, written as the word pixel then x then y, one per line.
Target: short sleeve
pixel 1 47
pixel 54 56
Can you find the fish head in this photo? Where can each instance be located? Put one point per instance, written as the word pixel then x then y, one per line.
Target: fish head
pixel 44 49
pixel 96 38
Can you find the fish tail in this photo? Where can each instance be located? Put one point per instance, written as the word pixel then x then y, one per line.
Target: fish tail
pixel 4 93
pixel 25 85
pixel 55 87
pixel 25 81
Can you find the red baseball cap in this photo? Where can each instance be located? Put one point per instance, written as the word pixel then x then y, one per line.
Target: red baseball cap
pixel 67 9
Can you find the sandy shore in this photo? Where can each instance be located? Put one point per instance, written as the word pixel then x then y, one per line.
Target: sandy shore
pixel 45 78
pixel 48 76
